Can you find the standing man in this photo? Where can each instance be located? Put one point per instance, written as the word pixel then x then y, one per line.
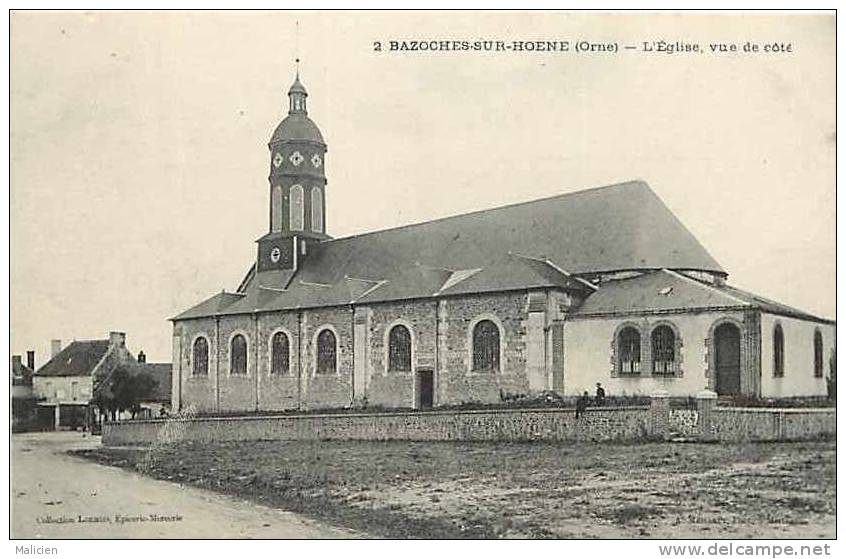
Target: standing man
pixel 581 404
pixel 600 394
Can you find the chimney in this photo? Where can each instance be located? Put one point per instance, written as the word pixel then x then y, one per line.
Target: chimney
pixel 117 338
pixel 55 348
pixel 16 363
pixel 141 357
pixel 30 359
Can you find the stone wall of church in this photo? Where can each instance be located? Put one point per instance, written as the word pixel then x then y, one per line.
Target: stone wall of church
pixel 441 341
pixel 237 391
pixel 197 392
pixel 278 391
pixel 397 389
pixel 327 390
pixel 456 382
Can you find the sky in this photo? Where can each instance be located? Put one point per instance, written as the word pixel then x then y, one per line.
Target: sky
pixel 139 155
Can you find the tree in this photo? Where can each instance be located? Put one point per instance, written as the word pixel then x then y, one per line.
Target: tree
pixel 123 390
pixel 831 381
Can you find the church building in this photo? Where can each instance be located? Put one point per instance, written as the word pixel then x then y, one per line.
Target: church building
pixel 601 285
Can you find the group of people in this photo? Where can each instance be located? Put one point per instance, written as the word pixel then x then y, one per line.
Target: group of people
pixel 584 400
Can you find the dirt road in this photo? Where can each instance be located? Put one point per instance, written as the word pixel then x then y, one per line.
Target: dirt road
pixel 58 496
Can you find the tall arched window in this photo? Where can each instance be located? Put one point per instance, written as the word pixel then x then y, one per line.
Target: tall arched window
pixel 628 351
pixel 279 354
pixel 663 350
pixel 326 352
pixel 238 355
pixel 818 354
pixel 399 349
pixel 201 357
pixel 317 210
pixel 485 346
pixel 778 351
pixel 276 209
pixel 296 202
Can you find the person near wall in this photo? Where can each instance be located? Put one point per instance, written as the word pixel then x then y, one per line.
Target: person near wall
pixel 600 394
pixel 581 404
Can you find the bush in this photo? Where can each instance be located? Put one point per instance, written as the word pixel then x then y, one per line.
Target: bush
pixel 795 402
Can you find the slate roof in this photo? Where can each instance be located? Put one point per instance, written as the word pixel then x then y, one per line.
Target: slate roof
pixel 542 243
pixel 21 374
pixel 297 127
pixel 162 373
pixel 76 360
pixel 666 291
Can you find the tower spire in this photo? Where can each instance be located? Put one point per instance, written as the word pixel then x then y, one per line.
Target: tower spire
pixel 297 94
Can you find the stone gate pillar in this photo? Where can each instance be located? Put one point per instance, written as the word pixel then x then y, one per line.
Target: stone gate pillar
pixel 706 401
pixel 659 415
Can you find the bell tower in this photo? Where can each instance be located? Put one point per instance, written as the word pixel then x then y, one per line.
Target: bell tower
pixel 297 182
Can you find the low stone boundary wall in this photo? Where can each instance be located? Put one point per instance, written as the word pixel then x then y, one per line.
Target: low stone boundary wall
pixel 597 424
pixel 707 422
pixel 767 424
pixel 684 423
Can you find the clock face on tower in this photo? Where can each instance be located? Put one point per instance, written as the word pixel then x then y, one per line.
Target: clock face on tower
pixel 276 254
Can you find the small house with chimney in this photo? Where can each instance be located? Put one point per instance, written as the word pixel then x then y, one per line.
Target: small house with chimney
pixel 64 386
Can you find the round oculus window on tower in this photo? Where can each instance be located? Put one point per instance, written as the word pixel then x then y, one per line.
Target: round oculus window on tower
pixel 316 161
pixel 296 158
pixel 277 160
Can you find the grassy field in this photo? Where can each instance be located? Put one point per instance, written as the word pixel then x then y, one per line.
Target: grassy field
pixel 491 490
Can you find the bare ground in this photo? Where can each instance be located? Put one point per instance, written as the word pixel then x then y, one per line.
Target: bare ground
pixel 48 484
pixel 538 490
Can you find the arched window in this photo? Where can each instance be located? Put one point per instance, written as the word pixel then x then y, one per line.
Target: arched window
pixel 485 346
pixel 628 351
pixel 778 351
pixel 399 349
pixel 276 209
pixel 279 354
pixel 317 210
pixel 238 355
pixel 326 352
pixel 201 357
pixel 296 216
pixel 663 350
pixel 818 354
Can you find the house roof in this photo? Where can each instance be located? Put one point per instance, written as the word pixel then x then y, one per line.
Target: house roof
pixel 20 369
pixel 21 374
pixel 542 243
pixel 770 306
pixel 162 373
pixel 76 360
pixel 667 291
